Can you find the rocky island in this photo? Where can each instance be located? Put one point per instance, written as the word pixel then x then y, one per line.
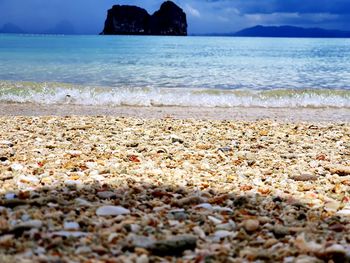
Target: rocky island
pixel 169 20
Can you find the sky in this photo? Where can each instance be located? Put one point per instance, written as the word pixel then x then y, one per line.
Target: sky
pixel 204 16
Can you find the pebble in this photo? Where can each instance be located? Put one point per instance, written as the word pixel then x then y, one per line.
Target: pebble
pixel 74 153
pixel 28 179
pixel 71 226
pixel 11 203
pixel 142 259
pixel 112 237
pixel 335 249
pixel 98 177
pixel 161 208
pixel 199 232
pixel 270 242
pixel 135 228
pixel 72 184
pixel 112 211
pixel 141 241
pixel 215 220
pixel 222 209
pixel 280 231
pixel 344 212
pixel 10 196
pixel 220 234
pixel 40 250
pixel 341 170
pixel 251 225
pixel 6 241
pixel 82 202
pixel 206 206
pixel 192 200
pixel 25 217
pixel 29 224
pixel 225 149
pixel 20 228
pixel 304 177
pixel 7 143
pixel 173 223
pixel 75 234
pixel 304 259
pixel 307 246
pixel 178 214
pixel 228 226
pixel 16 167
pixel 332 206
pixel 174 245
pixel 83 250
pixel 106 195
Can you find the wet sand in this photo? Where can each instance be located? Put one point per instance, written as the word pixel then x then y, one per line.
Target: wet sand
pixel 245 114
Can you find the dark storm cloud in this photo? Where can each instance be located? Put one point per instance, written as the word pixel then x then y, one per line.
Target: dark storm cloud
pixel 308 6
pixel 308 13
pixel 289 6
pixel 87 16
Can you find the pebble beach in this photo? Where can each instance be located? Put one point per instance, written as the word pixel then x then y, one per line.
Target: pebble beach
pixel 165 189
pixel 203 149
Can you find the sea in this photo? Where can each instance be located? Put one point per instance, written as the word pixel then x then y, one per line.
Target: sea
pixel 175 71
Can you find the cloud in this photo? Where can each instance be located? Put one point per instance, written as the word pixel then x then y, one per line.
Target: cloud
pixel 36 16
pixel 237 14
pixel 192 11
pixel 287 6
pixel 306 19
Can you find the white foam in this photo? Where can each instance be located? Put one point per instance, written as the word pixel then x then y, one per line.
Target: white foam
pixel 177 97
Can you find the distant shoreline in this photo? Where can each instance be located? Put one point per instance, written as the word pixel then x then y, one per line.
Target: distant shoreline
pixel 256 31
pixel 190 35
pixel 223 35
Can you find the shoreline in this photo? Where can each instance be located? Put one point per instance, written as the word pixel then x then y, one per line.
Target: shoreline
pixel 205 113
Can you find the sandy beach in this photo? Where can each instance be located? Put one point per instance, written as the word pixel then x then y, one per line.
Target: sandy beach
pixel 158 185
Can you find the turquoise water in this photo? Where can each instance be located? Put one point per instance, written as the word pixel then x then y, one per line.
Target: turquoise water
pixel 177 71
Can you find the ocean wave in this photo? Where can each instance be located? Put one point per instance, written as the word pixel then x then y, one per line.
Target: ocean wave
pixel 58 93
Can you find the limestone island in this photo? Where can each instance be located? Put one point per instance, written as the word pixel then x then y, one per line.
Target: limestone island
pixel 169 20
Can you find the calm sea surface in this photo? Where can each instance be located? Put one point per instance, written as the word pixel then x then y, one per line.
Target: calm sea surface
pixel 179 71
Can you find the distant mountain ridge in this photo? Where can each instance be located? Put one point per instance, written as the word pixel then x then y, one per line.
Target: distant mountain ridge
pixel 10 28
pixel 290 31
pixel 63 27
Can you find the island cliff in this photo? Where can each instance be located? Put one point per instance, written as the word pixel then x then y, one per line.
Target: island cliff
pixel 169 20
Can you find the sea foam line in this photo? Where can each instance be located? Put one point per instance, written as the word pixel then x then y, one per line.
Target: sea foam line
pixel 77 95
